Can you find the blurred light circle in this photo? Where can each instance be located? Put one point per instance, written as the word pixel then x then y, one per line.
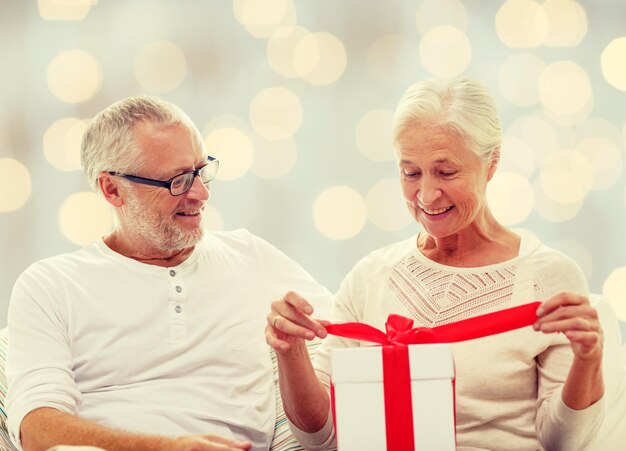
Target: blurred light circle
pixel 614 288
pixel 578 252
pixel 521 23
pixel 276 113
pixel 320 58
pixel 435 13
pixel 374 137
pixel 574 163
pixel 74 76
pixel 211 218
pixel 262 18
pixel 226 121
pixel 612 62
pixel 569 119
pixel 606 161
pixel 550 209
pixel 567 23
pixel 562 186
pixel 15 184
pixel 517 157
pixel 387 59
pixel 597 127
pixel 445 51
pixel 61 143
pixel 122 26
pixel 281 48
pixel 160 66
pixel 510 197
pixel 273 159
pixel 64 9
pixel 84 217
pixel 386 207
pixel 537 134
pixel 564 87
pixel 339 213
pixel 518 78
pixel 233 149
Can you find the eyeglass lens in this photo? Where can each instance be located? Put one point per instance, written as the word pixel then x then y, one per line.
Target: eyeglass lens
pixel 183 182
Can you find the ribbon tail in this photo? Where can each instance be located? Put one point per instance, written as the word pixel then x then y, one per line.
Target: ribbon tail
pixel 488 324
pixel 357 331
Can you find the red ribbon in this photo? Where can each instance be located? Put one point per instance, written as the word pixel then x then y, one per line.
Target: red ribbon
pixel 396 370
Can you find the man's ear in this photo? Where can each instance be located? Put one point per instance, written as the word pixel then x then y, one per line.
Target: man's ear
pixel 110 189
pixel 493 164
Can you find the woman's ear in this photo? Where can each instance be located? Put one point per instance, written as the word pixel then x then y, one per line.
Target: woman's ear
pixel 110 189
pixel 493 164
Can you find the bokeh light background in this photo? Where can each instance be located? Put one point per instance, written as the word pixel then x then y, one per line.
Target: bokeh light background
pixel 296 97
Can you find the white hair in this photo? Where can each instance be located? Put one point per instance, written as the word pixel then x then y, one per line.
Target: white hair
pixel 463 105
pixel 109 141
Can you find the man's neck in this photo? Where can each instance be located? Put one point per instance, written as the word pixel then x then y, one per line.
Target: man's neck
pixel 148 255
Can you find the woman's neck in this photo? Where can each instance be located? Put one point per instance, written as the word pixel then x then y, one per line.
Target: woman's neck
pixel 481 244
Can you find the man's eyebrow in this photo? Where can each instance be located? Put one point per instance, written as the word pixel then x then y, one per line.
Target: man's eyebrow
pixel 182 169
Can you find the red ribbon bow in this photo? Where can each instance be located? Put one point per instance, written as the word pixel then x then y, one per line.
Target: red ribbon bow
pixel 396 369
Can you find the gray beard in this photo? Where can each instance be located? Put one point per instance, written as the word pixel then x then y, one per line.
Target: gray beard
pixel 158 232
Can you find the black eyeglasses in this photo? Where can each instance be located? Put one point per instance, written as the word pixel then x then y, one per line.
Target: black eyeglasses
pixel 181 183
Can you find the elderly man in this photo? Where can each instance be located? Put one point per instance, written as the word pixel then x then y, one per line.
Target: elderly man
pixel 151 337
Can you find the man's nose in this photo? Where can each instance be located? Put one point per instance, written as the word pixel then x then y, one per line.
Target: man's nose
pixel 198 190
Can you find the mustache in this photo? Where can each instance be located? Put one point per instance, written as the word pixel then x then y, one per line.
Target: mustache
pixel 192 207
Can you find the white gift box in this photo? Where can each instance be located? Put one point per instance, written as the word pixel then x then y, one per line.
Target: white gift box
pixel 357 375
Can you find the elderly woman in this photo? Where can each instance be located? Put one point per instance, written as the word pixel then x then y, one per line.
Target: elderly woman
pixel 526 389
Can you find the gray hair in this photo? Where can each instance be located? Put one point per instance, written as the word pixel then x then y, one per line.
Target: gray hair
pixel 109 141
pixel 463 105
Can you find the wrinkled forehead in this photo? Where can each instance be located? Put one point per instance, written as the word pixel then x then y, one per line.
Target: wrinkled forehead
pixel 169 146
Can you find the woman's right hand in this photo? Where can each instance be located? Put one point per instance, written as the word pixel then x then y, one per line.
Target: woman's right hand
pixel 289 323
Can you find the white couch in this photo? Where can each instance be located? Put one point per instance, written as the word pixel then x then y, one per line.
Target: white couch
pixel 612 436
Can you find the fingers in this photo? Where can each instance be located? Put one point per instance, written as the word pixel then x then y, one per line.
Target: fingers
pixel 290 315
pixel 572 315
pixel 295 300
pixel 215 442
pixel 568 318
pixel 272 339
pixel 566 311
pixel 561 300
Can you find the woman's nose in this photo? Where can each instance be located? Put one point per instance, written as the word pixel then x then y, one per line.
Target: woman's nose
pixel 428 193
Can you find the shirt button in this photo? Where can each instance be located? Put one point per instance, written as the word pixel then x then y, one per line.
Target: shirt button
pixel 178 309
pixel 172 272
pixel 179 288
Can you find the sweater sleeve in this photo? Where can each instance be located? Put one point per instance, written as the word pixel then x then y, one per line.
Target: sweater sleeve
pixel 342 311
pixel 558 426
pixel 39 363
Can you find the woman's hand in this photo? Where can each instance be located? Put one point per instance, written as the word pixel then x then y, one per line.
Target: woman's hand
pixel 574 316
pixel 289 323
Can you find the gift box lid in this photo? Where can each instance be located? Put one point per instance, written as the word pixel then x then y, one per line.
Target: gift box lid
pixel 365 364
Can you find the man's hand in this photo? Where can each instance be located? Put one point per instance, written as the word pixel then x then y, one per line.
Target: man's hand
pixel 46 427
pixel 208 443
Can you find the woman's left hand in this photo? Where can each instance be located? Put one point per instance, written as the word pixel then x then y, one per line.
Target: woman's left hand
pixel 573 315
